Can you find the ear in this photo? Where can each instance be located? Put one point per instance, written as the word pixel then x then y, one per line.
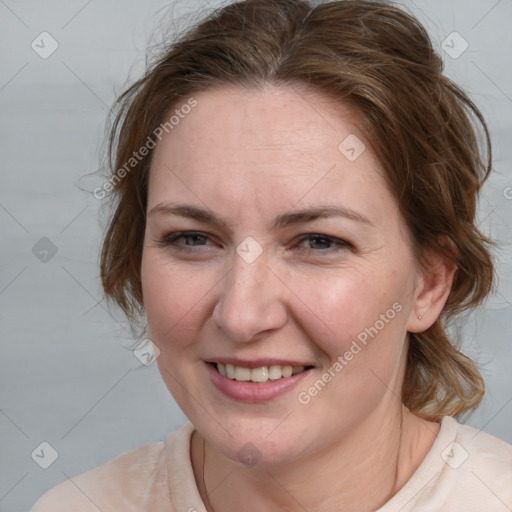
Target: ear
pixel 432 290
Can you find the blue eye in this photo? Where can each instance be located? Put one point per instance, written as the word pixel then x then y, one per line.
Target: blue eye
pixel 194 239
pixel 189 238
pixel 323 243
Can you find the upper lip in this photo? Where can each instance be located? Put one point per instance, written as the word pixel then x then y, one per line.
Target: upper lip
pixel 257 363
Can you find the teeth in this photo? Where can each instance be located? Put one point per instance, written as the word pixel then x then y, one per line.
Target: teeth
pixel 274 372
pixel 230 371
pixel 242 374
pixel 287 371
pixel 261 374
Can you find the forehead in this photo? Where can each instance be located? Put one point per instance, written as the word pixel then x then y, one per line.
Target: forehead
pixel 286 118
pixel 274 145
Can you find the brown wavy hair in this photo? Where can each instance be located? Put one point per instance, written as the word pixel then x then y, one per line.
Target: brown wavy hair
pixel 424 129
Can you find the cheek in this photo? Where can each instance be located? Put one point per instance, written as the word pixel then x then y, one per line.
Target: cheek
pixel 173 300
pixel 357 320
pixel 349 306
pixel 173 305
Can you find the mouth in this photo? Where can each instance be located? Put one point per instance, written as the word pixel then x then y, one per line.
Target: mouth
pixel 259 374
pixel 256 381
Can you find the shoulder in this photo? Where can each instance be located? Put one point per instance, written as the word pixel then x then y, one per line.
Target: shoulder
pixel 466 470
pixel 483 456
pixel 117 483
pixel 474 473
pixel 134 481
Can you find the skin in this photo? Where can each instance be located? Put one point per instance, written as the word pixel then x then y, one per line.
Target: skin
pixel 249 156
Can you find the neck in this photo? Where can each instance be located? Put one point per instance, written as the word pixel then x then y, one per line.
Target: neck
pixel 362 471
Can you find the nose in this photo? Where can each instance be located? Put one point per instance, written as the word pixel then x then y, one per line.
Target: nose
pixel 251 301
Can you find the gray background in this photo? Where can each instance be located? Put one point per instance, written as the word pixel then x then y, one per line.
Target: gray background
pixel 66 374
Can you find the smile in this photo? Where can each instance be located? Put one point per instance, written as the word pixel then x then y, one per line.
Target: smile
pixel 256 384
pixel 260 374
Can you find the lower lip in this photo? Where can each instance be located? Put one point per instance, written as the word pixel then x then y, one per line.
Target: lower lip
pixel 253 391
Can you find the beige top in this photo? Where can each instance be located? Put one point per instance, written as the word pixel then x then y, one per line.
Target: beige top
pixel 466 470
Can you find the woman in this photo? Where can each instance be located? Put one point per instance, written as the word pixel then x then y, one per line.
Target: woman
pixel 295 192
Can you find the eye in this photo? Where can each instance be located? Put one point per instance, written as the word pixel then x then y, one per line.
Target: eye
pixel 322 243
pixel 184 240
pixel 195 241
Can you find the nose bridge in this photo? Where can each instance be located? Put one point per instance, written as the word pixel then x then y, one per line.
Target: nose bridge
pixel 250 300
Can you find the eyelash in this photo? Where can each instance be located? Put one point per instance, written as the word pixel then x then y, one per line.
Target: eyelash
pixel 172 239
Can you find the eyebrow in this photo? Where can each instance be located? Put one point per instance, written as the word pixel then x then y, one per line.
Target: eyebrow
pixel 281 221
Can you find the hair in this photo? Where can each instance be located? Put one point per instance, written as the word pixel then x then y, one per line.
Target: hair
pixel 377 59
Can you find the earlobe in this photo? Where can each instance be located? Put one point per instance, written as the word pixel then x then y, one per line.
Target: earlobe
pixel 432 292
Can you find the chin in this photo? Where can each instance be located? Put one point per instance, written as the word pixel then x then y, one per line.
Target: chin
pixel 256 442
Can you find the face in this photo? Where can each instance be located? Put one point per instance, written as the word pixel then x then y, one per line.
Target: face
pixel 268 245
